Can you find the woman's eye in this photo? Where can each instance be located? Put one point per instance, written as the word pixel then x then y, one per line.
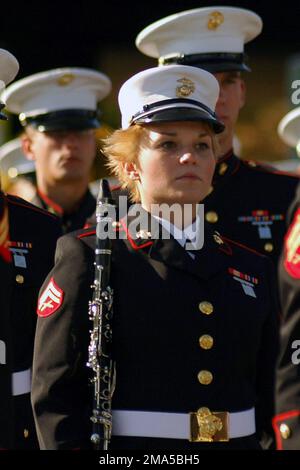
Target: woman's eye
pixel 167 145
pixel 202 146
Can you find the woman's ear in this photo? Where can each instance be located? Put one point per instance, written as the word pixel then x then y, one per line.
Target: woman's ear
pixel 131 171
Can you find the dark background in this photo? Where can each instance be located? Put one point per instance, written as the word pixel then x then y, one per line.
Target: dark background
pixel 100 35
pixel 49 34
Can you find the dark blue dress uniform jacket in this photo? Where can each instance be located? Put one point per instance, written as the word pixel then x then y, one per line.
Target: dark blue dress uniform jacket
pixel 249 203
pixel 287 419
pixel 69 222
pixel 34 231
pixel 157 323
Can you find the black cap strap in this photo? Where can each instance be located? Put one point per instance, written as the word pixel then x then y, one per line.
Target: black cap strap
pixel 60 114
pixel 157 104
pixel 190 59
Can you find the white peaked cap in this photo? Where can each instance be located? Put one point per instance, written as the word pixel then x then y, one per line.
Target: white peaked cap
pixel 57 89
pixel 148 93
pixel 9 67
pixel 289 128
pixel 216 29
pixel 12 159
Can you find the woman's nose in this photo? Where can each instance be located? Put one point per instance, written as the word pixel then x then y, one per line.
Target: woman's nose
pixel 188 157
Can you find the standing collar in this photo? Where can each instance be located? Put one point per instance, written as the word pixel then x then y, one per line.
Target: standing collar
pixel 181 236
pixel 49 204
pixel 226 166
pixel 155 241
pixel 76 219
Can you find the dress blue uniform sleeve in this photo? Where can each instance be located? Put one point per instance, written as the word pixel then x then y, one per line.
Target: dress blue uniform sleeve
pixel 287 420
pixel 60 375
pixel 267 356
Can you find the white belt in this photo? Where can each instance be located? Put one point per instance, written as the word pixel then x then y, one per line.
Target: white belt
pixel 173 425
pixel 21 382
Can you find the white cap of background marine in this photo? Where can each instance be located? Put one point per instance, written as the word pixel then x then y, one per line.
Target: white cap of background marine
pixel 13 161
pixel 211 38
pixel 58 99
pixel 289 129
pixel 9 67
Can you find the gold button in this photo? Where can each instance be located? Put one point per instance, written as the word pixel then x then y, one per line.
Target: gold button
pixel 223 168
pixel 205 377
pixel 211 217
pixel 285 431
pixel 210 190
pixel 269 247
pixel 26 433
pixel 206 341
pixel 20 279
pixel 206 307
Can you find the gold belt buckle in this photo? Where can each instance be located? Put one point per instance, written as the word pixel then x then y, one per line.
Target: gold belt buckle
pixel 209 426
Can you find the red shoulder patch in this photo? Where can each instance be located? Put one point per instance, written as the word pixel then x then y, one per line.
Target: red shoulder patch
pixel 50 300
pixel 4 236
pixel 292 248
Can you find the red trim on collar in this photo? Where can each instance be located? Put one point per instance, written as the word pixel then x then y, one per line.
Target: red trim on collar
pixel 226 249
pixel 30 207
pixel 284 173
pixel 242 246
pixel 116 187
pixel 267 168
pixel 56 207
pixel 86 234
pixel 277 420
pixel 225 156
pixel 131 240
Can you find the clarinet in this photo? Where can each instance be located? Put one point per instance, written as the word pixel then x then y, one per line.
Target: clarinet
pixel 100 313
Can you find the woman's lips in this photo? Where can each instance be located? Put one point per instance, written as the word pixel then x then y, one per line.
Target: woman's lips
pixel 189 176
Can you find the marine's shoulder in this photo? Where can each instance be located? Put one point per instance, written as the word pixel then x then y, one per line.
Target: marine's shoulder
pixel 257 168
pixel 20 206
pixel 77 240
pixel 243 253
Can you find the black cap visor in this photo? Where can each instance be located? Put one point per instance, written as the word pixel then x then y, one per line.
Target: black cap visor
pixel 214 67
pixel 212 62
pixel 181 114
pixel 73 119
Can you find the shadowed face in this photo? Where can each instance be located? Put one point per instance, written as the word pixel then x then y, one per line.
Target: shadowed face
pixel 61 155
pixel 230 102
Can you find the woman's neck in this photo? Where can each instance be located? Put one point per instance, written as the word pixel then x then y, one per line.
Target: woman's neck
pixel 180 215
